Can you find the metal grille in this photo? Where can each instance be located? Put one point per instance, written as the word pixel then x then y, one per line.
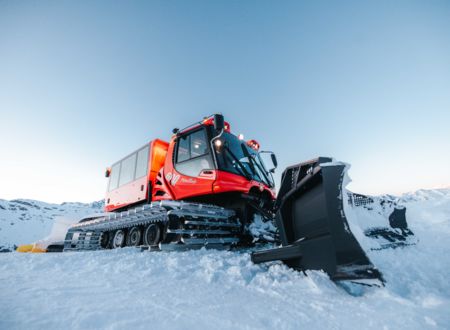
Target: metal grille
pixel 359 200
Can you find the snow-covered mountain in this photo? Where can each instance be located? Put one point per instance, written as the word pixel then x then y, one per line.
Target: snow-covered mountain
pixel 128 288
pixel 427 195
pixel 24 221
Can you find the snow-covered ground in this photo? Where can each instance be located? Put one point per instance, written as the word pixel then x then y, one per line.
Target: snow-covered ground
pixel 127 288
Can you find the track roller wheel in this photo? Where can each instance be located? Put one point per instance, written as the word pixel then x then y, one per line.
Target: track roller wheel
pixel 152 234
pixel 118 240
pixel 134 237
pixel 104 240
pixel 174 224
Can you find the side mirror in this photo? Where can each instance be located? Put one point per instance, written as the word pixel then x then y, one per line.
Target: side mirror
pixel 219 122
pixel 107 172
pixel 274 161
pixel 273 158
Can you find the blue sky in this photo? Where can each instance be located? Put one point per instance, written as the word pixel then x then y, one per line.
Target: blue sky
pixel 83 83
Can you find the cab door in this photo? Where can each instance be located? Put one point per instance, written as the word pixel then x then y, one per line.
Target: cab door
pixel 193 172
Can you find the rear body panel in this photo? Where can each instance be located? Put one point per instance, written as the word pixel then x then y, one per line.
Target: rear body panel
pixel 137 191
pixel 127 194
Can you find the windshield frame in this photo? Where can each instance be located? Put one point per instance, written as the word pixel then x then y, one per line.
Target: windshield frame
pixel 253 164
pixel 260 166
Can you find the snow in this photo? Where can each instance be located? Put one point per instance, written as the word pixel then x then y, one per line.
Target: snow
pixel 259 228
pixel 129 288
pixel 26 221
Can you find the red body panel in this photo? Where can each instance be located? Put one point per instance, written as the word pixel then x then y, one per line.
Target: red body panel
pixel 229 182
pixel 158 158
pixel 205 122
pixel 164 182
pixel 181 186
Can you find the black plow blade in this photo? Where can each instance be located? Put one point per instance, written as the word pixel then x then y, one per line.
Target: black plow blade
pixel 313 228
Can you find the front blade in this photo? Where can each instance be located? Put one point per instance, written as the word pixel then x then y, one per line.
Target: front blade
pixel 310 216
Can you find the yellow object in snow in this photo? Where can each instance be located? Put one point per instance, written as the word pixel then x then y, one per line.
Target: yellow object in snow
pixel 38 249
pixel 33 248
pixel 25 248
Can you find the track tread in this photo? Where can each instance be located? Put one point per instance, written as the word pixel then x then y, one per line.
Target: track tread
pixel 200 225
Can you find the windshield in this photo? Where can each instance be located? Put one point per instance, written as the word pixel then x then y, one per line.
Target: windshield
pixel 236 157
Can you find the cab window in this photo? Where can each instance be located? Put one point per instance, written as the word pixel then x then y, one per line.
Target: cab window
pixel 183 149
pixel 114 177
pixel 127 169
pixel 142 162
pixel 193 154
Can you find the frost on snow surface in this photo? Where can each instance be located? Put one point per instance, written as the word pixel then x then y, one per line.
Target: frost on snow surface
pixel 204 289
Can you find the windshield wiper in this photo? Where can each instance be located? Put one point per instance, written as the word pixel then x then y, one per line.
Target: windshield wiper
pixel 247 154
pixel 261 169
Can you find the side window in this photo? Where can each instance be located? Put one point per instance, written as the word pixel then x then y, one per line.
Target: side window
pixel 127 169
pixel 114 177
pixel 142 162
pixel 192 154
pixel 183 149
pixel 198 144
